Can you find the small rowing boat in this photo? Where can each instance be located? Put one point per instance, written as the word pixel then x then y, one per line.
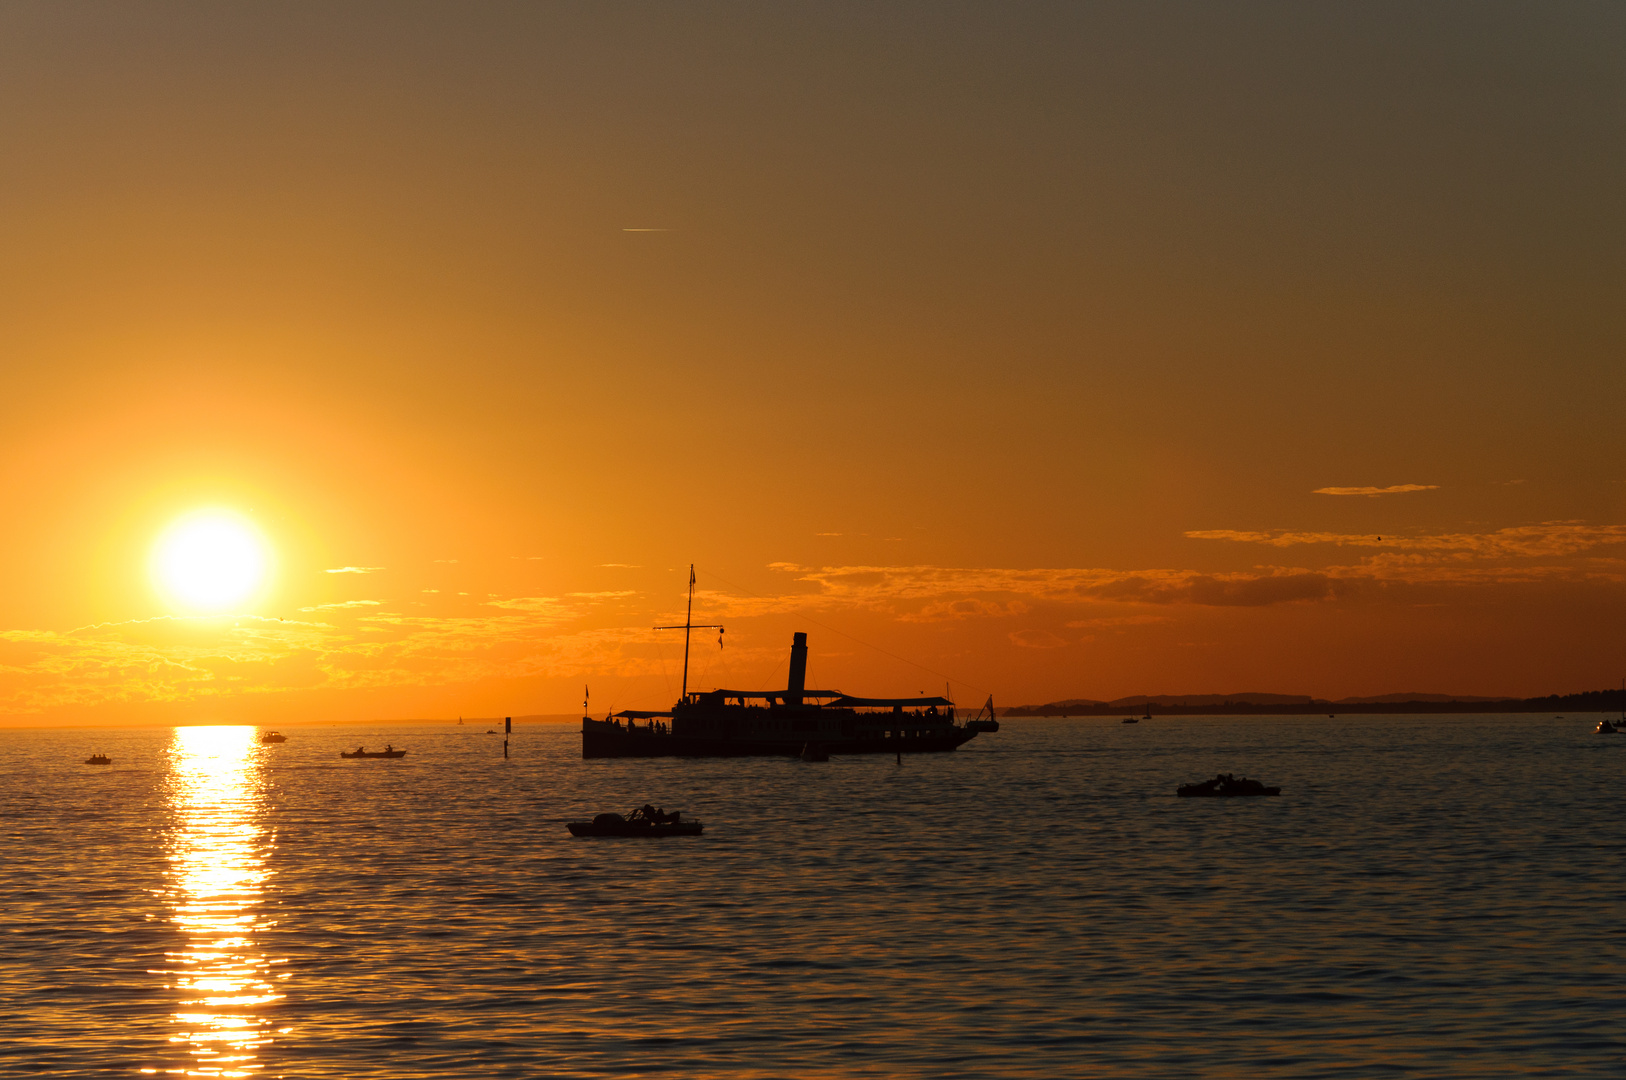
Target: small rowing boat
pixel 363 752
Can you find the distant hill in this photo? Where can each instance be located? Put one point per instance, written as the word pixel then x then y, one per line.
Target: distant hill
pixel 1384 699
pixel 1289 704
pixel 1210 699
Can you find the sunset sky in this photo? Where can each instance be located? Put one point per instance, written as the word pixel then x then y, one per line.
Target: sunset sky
pixel 1057 350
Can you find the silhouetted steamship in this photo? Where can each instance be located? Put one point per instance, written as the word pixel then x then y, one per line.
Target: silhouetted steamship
pixel 734 723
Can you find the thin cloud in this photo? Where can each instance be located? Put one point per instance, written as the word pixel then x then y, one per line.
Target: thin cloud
pixel 354 570
pixel 1117 620
pixel 356 645
pixel 535 604
pixel 619 566
pixel 1548 540
pixel 969 607
pixel 1397 489
pixel 1037 639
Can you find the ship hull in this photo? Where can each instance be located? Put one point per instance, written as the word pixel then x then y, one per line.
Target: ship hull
pixel 609 742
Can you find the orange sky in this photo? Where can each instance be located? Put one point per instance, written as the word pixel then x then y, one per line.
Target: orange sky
pixel 1047 348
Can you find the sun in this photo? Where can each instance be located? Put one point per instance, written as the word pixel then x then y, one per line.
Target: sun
pixel 211 561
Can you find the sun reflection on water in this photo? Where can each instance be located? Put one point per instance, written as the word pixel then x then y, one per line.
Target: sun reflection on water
pixel 216 854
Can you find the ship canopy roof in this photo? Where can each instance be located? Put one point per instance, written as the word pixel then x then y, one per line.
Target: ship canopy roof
pixel 778 693
pixel 837 699
pixel 639 714
pixel 846 702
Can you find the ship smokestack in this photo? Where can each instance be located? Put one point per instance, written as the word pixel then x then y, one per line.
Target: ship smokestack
pixel 798 670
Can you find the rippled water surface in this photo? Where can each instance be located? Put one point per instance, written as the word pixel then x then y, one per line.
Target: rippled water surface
pixel 1429 897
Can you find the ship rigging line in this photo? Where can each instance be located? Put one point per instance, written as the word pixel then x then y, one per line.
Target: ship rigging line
pixel 861 641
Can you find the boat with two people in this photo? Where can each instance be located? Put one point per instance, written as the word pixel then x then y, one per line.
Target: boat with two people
pixel 269 737
pixel 1226 785
pixel 363 752
pixel 1604 726
pixel 98 759
pixel 738 723
pixel 647 820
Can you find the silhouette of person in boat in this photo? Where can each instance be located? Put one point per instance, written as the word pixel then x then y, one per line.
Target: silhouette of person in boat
pixel 659 816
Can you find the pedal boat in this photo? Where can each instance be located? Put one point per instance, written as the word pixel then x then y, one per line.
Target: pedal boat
pixel 1226 785
pixel 637 825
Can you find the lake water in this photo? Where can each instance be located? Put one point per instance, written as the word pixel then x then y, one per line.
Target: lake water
pixel 1433 896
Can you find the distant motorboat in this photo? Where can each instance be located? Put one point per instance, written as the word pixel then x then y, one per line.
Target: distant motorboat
pixel 269 737
pixel 1605 727
pixel 1130 720
pixel 98 759
pixel 363 752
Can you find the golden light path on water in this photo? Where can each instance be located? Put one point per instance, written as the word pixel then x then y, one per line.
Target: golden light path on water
pixel 216 850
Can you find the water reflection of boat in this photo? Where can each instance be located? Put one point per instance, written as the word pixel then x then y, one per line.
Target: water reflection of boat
pixel 637 824
pixel 1226 785
pixel 269 737
pixel 363 752
pixel 98 759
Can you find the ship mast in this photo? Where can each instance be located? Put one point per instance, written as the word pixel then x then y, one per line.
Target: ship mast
pixel 688 625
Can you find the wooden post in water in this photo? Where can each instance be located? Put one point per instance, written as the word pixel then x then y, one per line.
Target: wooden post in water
pixel 507 727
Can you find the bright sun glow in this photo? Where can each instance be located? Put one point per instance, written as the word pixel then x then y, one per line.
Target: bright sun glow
pixel 211 561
